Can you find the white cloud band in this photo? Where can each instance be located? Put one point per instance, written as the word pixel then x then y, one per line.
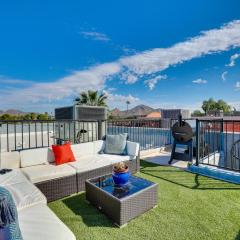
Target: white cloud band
pixel 133 67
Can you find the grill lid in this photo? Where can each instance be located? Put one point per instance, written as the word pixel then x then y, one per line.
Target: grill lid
pixel 182 131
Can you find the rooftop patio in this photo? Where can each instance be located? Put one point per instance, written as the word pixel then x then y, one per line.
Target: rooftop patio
pixel 120 120
pixel 189 206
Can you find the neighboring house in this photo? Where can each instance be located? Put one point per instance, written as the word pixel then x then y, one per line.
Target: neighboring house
pixel 153 119
pixel 166 114
pixel 174 113
pixel 153 115
pixel 215 113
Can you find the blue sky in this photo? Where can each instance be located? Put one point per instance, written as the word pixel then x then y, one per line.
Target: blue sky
pixel 160 53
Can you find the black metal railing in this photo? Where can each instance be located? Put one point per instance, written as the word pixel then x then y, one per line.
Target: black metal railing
pixel 217 140
pixel 27 134
pixel 218 143
pixel 149 133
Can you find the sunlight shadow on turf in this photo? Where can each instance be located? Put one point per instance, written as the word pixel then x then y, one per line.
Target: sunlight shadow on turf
pixel 185 179
pixel 238 236
pixel 197 184
pixel 89 214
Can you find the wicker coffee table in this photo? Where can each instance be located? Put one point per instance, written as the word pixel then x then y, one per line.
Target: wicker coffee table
pixel 121 204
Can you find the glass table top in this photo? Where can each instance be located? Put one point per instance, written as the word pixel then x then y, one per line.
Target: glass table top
pixel 134 185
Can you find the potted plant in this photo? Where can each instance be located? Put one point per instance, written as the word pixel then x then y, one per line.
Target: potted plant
pixel 120 173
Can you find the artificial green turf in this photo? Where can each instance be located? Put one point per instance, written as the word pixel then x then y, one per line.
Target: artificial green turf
pixel 189 207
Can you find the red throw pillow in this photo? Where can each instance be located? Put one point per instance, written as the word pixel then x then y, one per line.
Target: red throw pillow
pixel 63 153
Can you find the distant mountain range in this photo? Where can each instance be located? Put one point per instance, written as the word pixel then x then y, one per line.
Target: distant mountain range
pixel 12 111
pixel 140 110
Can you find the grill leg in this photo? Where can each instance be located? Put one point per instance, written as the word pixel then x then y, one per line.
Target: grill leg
pixel 182 156
pixel 190 147
pixel 173 151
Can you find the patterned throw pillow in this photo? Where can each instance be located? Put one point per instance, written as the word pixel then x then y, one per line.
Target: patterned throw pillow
pixel 116 144
pixel 9 227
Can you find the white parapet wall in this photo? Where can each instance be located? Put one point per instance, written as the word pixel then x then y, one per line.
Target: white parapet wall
pixel 212 159
pixel 20 141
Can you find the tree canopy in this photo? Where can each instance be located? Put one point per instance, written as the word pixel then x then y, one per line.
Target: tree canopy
pixel 27 116
pixel 197 113
pixel 211 104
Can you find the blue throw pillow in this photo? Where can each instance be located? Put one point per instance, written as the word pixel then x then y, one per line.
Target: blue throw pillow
pixel 116 144
pixel 9 227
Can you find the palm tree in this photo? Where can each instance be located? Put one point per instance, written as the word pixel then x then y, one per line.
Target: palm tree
pixel 91 98
pixel 127 102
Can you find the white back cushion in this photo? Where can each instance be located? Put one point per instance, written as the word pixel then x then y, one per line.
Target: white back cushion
pixel 82 149
pixel 132 148
pixel 24 193
pixel 10 160
pixel 98 146
pixel 36 156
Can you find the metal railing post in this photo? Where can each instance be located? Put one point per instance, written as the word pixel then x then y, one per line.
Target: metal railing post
pixel 101 129
pixel 0 145
pixel 222 135
pixel 170 129
pixel 197 141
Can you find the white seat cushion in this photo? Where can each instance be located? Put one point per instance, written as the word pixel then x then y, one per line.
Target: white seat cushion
pixel 40 223
pixel 115 158
pixel 10 160
pixel 24 193
pixel 82 149
pixel 42 173
pixel 90 162
pixel 38 156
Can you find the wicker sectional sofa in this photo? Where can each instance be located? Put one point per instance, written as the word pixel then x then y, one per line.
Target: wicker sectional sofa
pixel 35 170
pixel 56 182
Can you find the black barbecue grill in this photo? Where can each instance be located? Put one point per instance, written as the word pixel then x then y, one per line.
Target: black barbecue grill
pixel 182 134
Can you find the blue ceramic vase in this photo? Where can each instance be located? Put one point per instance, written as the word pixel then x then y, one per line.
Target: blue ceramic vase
pixel 121 178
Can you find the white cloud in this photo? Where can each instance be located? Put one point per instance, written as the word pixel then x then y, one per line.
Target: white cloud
pixel 235 104
pixel 233 59
pixel 122 98
pixel 111 89
pixel 92 78
pixel 11 81
pixel 118 100
pixel 153 81
pixel 95 36
pixel 237 86
pixel 130 68
pixel 200 81
pixel 129 78
pixel 169 105
pixel 223 76
pixel 208 42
